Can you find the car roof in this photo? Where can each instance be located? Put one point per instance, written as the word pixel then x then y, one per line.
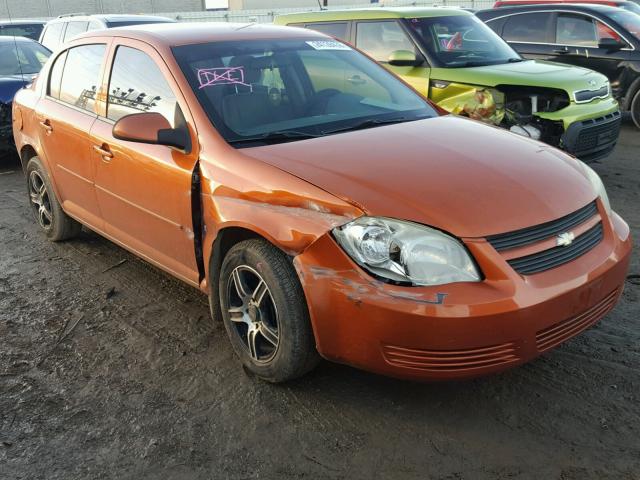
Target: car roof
pixel 371 14
pixel 577 7
pixel 175 34
pixel 110 18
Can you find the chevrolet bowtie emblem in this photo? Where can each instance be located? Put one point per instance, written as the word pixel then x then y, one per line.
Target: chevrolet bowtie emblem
pixel 565 239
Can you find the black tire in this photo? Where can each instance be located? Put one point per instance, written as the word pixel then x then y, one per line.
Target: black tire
pixel 55 224
pixel 635 108
pixel 281 312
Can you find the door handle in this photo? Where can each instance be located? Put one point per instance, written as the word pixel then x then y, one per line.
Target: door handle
pixel 46 124
pixel 356 80
pixel 104 152
pixel 561 51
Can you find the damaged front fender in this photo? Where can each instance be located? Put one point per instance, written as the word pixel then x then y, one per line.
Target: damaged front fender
pixel 286 211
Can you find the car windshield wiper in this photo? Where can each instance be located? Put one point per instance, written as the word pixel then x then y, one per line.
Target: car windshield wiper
pixel 276 137
pixel 515 60
pixel 371 122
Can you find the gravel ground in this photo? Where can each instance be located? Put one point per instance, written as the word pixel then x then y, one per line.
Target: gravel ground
pixel 111 369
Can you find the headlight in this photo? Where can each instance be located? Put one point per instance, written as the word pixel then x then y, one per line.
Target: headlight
pixel 598 186
pixel 406 252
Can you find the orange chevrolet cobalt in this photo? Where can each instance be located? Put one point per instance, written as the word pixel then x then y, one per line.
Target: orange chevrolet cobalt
pixel 326 208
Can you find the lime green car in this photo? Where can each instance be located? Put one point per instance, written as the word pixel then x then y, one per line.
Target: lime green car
pixel 451 57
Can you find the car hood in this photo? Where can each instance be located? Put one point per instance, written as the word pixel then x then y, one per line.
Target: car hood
pixel 532 73
pixel 451 173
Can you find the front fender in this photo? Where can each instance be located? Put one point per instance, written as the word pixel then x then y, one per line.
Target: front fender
pixel 285 210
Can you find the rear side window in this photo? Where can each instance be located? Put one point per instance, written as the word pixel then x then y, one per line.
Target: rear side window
pixel 334 29
pixel 140 89
pixel 51 37
pixel 74 29
pixel 576 30
pixel 81 76
pixel 55 78
pixel 528 27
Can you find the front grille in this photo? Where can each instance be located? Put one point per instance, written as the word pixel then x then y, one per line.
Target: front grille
pixel 556 334
pixel 592 139
pixel 553 257
pixel 450 360
pixel 597 134
pixel 584 96
pixel 534 234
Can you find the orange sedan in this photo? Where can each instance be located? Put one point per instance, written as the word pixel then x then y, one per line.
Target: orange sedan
pixel 324 206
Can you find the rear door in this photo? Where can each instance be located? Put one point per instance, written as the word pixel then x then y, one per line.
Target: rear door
pixel 65 115
pixel 530 34
pixel 144 191
pixel 52 35
pixel 74 28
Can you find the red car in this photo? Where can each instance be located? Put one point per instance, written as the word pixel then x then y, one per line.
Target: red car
pixel 624 4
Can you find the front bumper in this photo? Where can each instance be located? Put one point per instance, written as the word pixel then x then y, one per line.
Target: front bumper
pixel 460 330
pixel 593 139
pixel 591 130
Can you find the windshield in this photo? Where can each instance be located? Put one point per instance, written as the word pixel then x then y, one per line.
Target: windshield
pixel 629 21
pixel 268 91
pixel 461 41
pixel 32 56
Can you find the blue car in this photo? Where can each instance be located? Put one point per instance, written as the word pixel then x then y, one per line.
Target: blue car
pixel 20 61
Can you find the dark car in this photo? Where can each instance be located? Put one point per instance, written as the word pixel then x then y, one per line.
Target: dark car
pixel 66 27
pixel 599 37
pixel 14 75
pixel 22 28
pixel 632 6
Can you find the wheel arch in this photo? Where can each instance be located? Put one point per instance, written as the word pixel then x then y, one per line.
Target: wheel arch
pixel 27 152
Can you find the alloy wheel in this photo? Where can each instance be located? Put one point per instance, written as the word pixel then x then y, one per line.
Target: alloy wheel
pixel 253 313
pixel 40 200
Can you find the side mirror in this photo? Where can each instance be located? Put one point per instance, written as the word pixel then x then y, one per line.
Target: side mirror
pixel 152 128
pixel 611 44
pixel 404 58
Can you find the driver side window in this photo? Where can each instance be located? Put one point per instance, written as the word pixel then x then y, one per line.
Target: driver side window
pixel 576 30
pixel 380 39
pixel 140 89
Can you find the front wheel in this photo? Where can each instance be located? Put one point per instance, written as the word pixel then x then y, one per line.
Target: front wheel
pixel 635 109
pixel 265 312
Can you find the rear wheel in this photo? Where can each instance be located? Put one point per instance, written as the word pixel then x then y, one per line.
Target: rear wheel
pixel 265 312
pixel 635 109
pixel 55 224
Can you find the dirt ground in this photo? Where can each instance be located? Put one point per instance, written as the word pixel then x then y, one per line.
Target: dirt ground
pixel 111 369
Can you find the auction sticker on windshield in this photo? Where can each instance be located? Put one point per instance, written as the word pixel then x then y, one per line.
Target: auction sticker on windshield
pixel 327 45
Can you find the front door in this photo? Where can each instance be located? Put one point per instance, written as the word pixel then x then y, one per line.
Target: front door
pixel 578 37
pixel 379 39
pixel 144 191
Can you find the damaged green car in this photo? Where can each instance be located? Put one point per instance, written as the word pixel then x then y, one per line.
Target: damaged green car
pixel 454 59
